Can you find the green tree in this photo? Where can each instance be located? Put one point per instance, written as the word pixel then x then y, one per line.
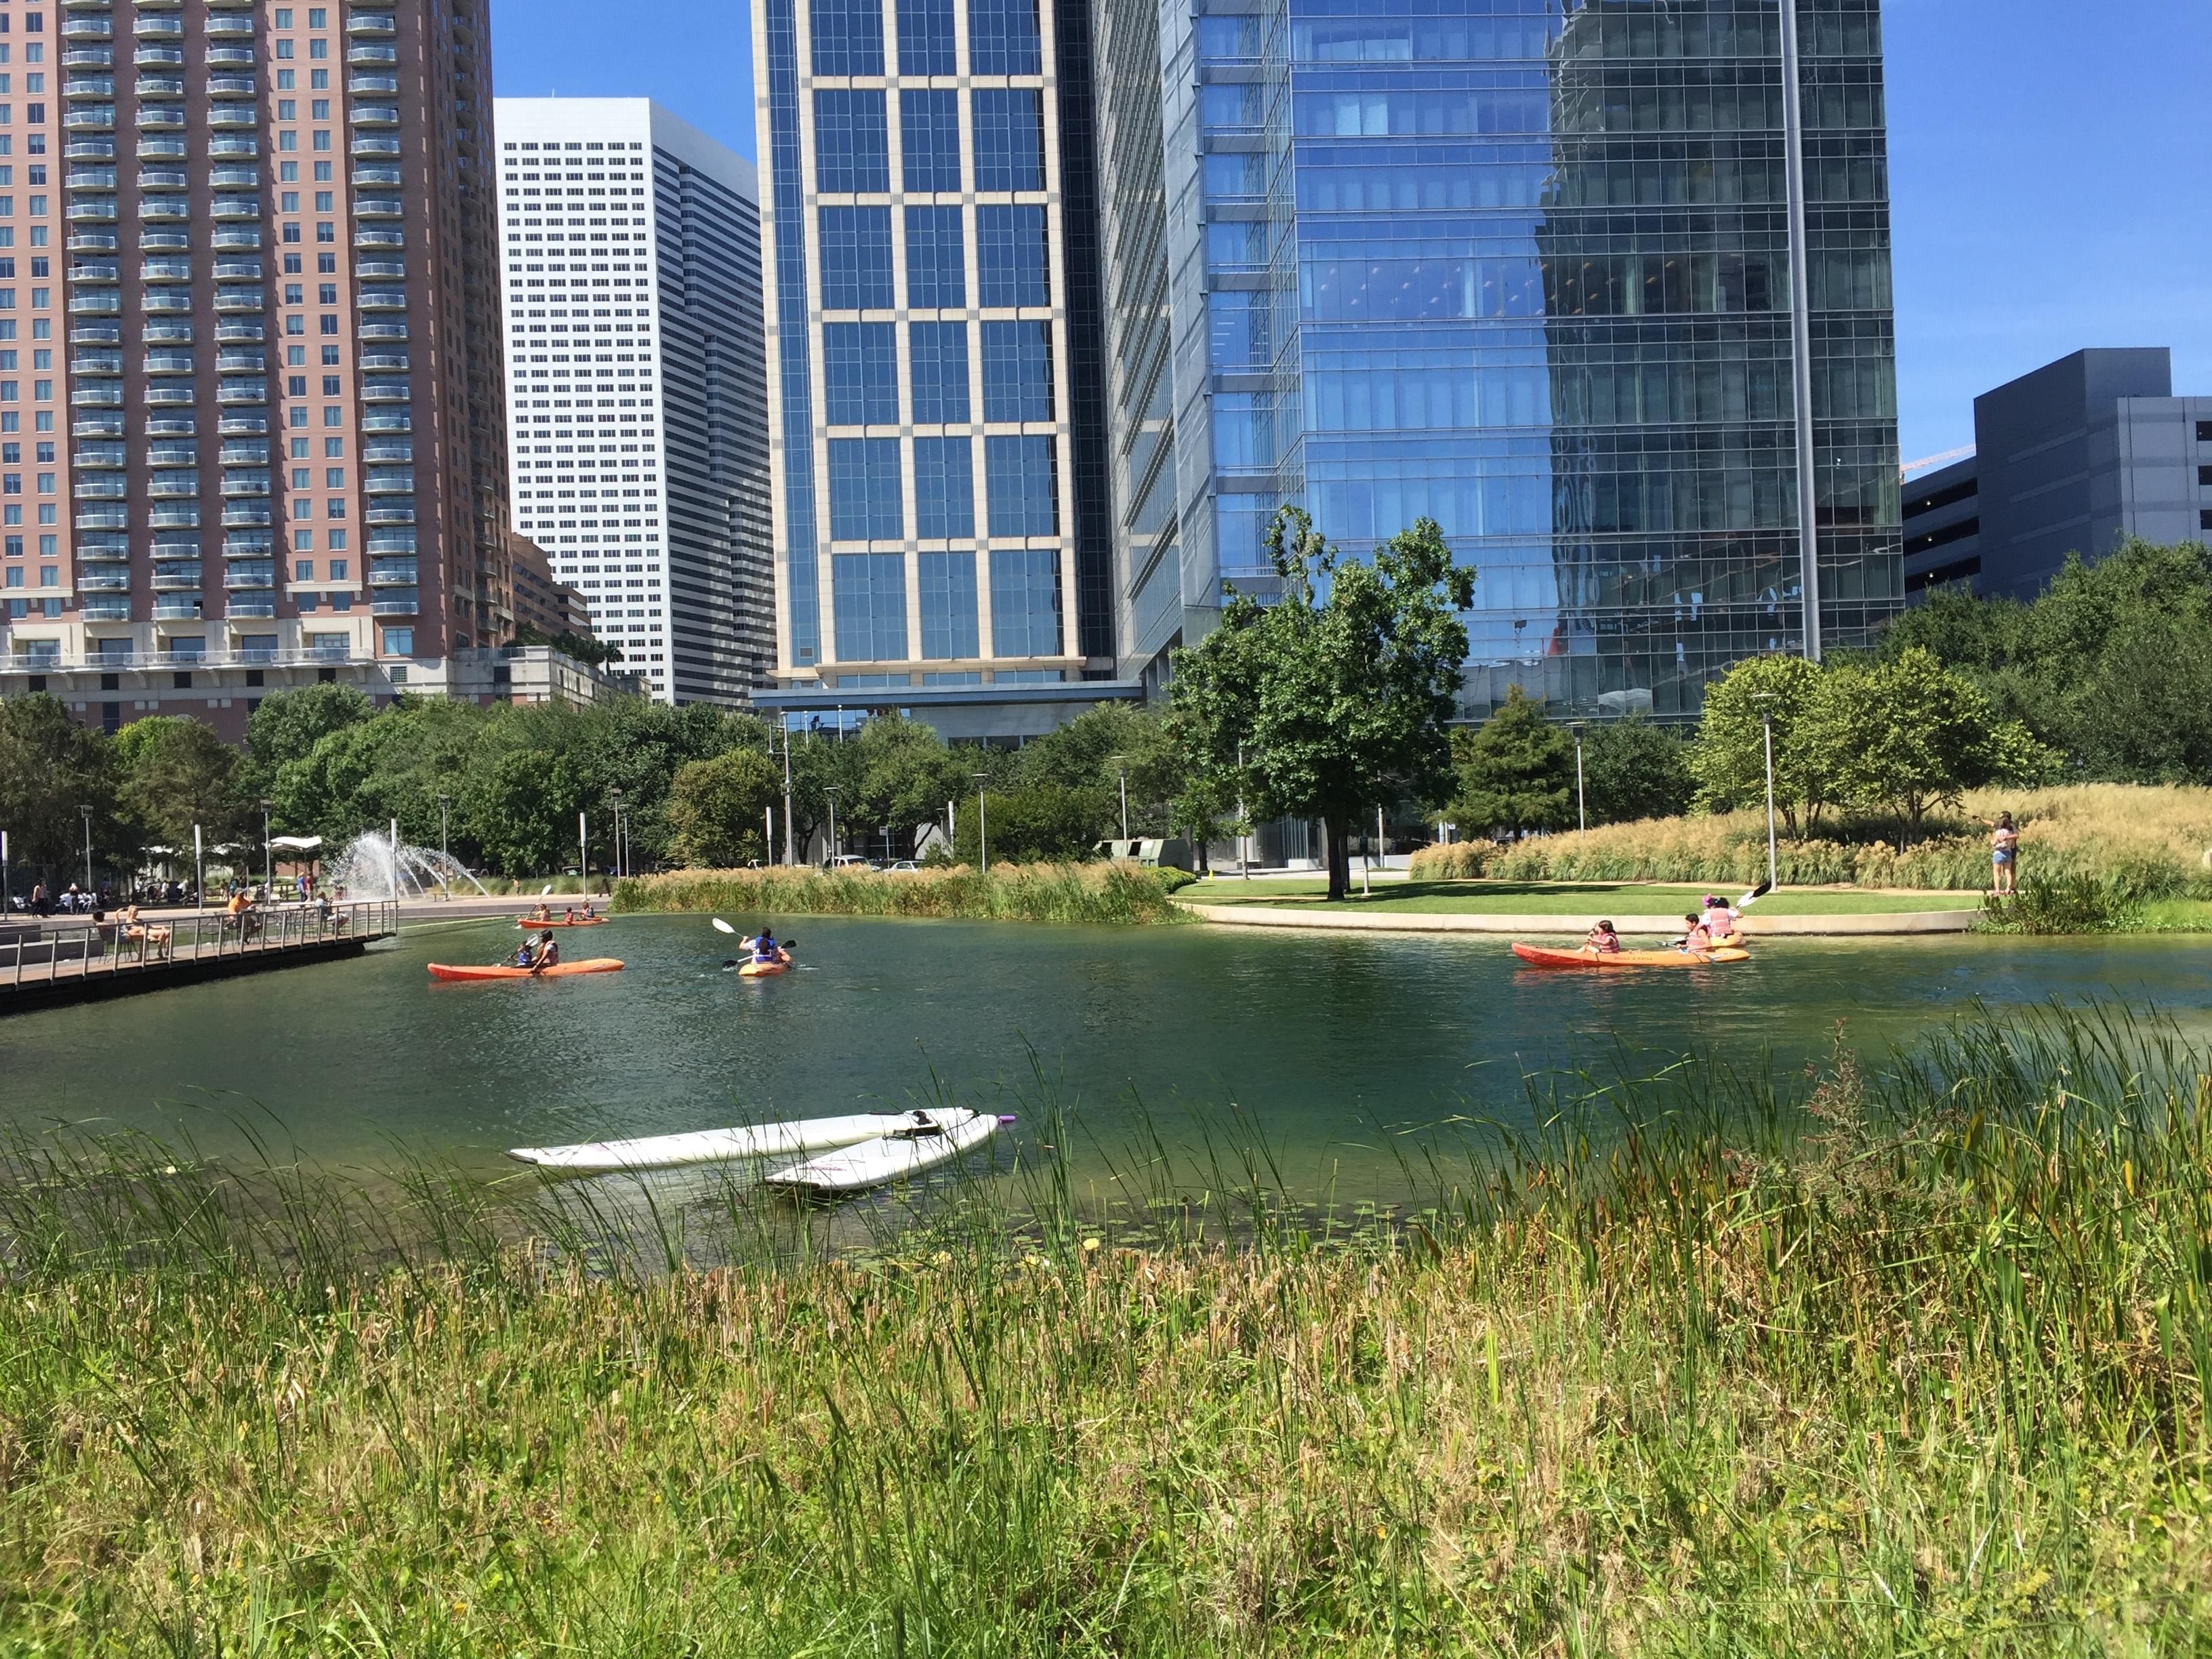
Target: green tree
pixel 1729 758
pixel 1045 822
pixel 1515 773
pixel 288 725
pixel 1907 734
pixel 717 809
pixel 173 774
pixel 1634 769
pixel 1340 691
pixel 49 768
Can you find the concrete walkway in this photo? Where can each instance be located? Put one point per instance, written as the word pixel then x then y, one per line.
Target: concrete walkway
pixel 1862 925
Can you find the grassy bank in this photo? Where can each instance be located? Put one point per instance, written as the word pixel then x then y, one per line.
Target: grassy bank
pixel 1930 1381
pixel 1547 898
pixel 2147 843
pixel 1115 892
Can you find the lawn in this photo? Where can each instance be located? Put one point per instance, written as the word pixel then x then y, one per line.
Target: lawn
pixel 1525 898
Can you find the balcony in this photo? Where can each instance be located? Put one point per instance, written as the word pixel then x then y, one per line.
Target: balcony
pixel 106 610
pixel 234 143
pixel 362 145
pixel 168 362
pixel 236 300
pixel 91 118
pixel 242 362
pixel 387 513
pixel 94 270
pixel 237 424
pixel 238 270
pixel 170 394
pixel 372 454
pixel 164 241
pixel 232 85
pixel 372 270
pixel 242 486
pixel 236 177
pixel 379 207
pixel 365 54
pixel 96 334
pixel 256 606
pixel 165 271
pixel 89 86
pixel 239 334
pixel 90 458
pixel 245 515
pixel 374 237
pixel 171 426
pixel 370 26
pixel 248 544
pixel 372 299
pixel 102 396
pixel 176 579
pixel 173 487
pixel 383 360
pixel 375 115
pixel 165 207
pixel 92 210
pixel 87 29
pixel 179 610
pixel 92 57
pixel 395 603
pixel 159 28
pixel 89 149
pixel 173 300
pixel 155 147
pixel 230 58
pixel 155 56
pixel 160 86
pixel 385 543
pixel 179 517
pixel 97 425
pixel 387 420
pixel 384 392
pixel 103 550
pixel 174 454
pixel 246 452
pixel 103 487
pixel 236 207
pixel 248 577
pixel 103 518
pixel 103 581
pixel 394 329
pixel 93 241
pixel 392 573
pixel 161 117
pixel 220 28
pixel 232 115
pixel 238 239
pixel 371 85
pixel 160 178
pixel 242 394
pixel 369 175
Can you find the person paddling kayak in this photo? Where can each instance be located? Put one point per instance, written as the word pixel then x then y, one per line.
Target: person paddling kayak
pixel 548 953
pixel 1700 940
pixel 766 950
pixel 1603 940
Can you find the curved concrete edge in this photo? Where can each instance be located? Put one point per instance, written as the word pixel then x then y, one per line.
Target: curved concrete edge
pixel 1862 925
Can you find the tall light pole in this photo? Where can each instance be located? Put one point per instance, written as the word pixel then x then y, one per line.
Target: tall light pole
pixel 1244 829
pixel 87 811
pixel 614 801
pixel 444 854
pixel 1766 702
pixel 1800 324
pixel 1121 768
pixel 1582 801
pixel 268 859
pixel 832 794
pixel 982 825
pixel 788 857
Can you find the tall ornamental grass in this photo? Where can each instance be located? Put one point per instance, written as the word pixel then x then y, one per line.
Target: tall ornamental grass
pixel 1119 891
pixel 2147 841
pixel 1864 1362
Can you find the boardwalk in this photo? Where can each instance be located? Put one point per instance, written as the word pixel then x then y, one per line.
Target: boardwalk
pixel 67 962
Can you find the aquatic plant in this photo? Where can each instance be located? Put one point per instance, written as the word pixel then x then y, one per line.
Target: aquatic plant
pixel 1118 891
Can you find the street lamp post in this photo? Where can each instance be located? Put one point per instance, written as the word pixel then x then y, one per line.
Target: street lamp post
pixel 788 856
pixel 1766 702
pixel 614 803
pixel 832 794
pixel 87 811
pixel 1582 801
pixel 1244 829
pixel 268 859
pixel 1124 773
pixel 982 826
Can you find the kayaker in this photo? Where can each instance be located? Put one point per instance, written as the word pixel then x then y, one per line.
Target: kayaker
pixel 765 949
pixel 569 915
pixel 543 913
pixel 1603 940
pixel 548 953
pixel 1721 919
pixel 2004 854
pixel 1700 939
pixel 525 954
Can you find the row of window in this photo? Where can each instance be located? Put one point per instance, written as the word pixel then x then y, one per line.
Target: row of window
pixel 1013 262
pixel 852 139
pixel 859 365
pixel 867 494
pixel 1004 37
pixel 870 604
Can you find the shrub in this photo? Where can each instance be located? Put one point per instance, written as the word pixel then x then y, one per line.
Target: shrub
pixel 2077 903
pixel 1120 891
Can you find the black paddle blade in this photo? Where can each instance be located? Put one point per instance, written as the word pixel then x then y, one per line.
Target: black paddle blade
pixel 728 963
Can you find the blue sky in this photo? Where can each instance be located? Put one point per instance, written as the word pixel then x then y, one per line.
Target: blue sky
pixel 2050 175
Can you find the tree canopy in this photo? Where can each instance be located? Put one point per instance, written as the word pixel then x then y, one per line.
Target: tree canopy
pixel 1516 772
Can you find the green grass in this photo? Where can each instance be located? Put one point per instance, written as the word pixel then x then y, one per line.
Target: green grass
pixel 1546 898
pixel 2178 915
pixel 1121 893
pixel 1665 1377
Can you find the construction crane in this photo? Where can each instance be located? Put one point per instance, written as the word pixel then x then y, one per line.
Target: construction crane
pixel 1927 461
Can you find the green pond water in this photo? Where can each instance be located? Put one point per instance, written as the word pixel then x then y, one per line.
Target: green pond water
pixel 1309 1041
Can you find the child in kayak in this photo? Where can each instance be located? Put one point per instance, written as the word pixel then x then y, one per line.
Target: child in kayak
pixel 1603 940
pixel 525 954
pixel 1700 940
pixel 766 950
pixel 1721 919
pixel 549 953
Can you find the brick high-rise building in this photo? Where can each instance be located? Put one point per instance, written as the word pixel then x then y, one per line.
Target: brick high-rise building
pixel 272 448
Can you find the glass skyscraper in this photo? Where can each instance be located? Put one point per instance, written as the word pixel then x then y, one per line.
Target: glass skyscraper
pixel 1602 286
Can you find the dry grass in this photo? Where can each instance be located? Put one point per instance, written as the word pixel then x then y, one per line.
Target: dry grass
pixel 2150 841
pixel 1118 892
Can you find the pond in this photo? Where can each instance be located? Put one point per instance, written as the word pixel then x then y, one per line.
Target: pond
pixel 1310 1040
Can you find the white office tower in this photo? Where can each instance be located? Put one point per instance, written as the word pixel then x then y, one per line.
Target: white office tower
pixel 637 383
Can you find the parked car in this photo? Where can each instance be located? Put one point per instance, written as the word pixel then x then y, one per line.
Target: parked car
pixel 904 864
pixel 848 861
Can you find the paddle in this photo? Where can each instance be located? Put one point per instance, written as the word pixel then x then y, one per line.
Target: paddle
pixel 1745 903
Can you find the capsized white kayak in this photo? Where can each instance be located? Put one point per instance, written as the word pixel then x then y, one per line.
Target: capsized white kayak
pixel 812 1135
pixel 890 1157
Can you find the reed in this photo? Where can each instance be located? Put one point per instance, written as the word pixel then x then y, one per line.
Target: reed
pixel 1117 892
pixel 2149 841
pixel 1896 1356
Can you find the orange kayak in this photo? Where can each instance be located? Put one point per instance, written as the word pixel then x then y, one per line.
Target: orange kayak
pixel 559 970
pixel 531 922
pixel 1537 956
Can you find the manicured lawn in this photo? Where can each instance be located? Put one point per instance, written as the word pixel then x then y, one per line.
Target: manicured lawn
pixel 1567 898
pixel 2175 915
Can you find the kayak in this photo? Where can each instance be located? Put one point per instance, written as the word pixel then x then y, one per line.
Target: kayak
pixel 762 969
pixel 1538 956
pixel 723 1145
pixel 531 922
pixel 559 970
pixel 887 1158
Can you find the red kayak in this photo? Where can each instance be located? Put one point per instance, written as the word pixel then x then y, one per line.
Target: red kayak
pixel 559 970
pixel 1537 957
pixel 557 922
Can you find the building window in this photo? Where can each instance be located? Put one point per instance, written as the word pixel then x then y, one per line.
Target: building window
pixel 936 258
pixel 1009 138
pixel 852 145
pixel 948 604
pixel 929 138
pixel 860 367
pixel 398 641
pixel 1024 602
pixel 870 606
pixel 926 37
pixel 847 36
pixel 937 363
pixel 1022 480
pixel 1018 372
pixel 1010 256
pixel 1003 38
pixel 856 258
pixel 944 489
pixel 865 497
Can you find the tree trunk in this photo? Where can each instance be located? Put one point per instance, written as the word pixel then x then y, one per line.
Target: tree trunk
pixel 1337 839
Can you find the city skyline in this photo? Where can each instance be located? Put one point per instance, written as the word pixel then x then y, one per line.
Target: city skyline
pixel 2051 122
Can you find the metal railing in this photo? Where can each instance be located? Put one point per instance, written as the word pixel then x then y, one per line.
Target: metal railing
pixel 89 949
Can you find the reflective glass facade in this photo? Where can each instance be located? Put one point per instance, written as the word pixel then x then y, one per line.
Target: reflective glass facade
pixel 1525 267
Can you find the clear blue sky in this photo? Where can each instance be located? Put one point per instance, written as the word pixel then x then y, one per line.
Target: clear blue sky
pixel 2050 169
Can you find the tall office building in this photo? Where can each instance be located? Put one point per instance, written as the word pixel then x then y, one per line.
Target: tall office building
pixel 1601 287
pixel 939 456
pixel 284 454
pixel 637 391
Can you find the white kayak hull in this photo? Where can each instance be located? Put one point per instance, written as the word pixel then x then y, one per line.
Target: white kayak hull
pixel 730 1145
pixel 890 1157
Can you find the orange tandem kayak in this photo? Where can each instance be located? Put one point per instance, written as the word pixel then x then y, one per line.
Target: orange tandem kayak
pixel 559 970
pixel 557 922
pixel 1538 956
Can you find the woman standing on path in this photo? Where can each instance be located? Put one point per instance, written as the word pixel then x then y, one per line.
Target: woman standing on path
pixel 2004 854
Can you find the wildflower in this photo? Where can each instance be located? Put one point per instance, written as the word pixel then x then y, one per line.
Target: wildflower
pixel 1089 1245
